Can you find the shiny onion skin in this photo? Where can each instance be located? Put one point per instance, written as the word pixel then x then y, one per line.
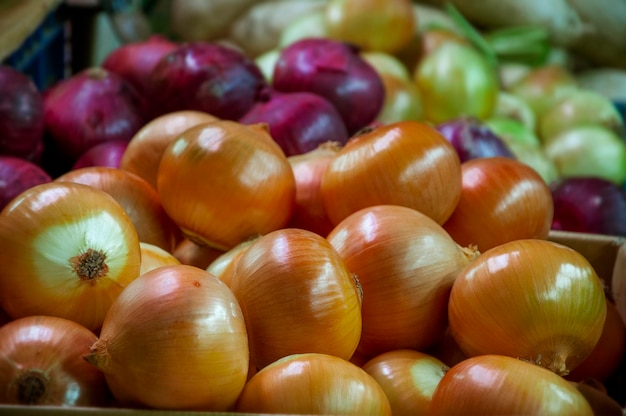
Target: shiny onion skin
pixel 501 385
pixel 174 339
pixel 297 296
pixel 224 182
pixel 406 163
pixel 192 254
pixel 153 256
pixel 502 200
pixel 531 299
pixel 313 384
pixel 145 149
pixel 223 267
pixel 408 377
pixel 406 264
pixel 68 250
pixel 41 364
pixel 308 168
pixel 140 201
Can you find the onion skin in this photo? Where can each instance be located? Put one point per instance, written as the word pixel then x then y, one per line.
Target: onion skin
pixel 153 256
pixel 406 264
pixel 174 339
pixel 297 296
pixel 140 201
pixel 68 250
pixel 192 254
pixel 104 154
pixel 497 385
pixel 315 384
pixel 502 200
pixel 550 306
pixel 407 163
pixel 251 190
pixel 145 149
pixel 41 364
pixel 17 175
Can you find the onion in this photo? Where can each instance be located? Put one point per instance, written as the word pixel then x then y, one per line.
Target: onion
pixel 67 250
pixel 135 61
pixel 192 254
pixel 598 398
pixel 402 100
pixel 18 175
pixel 140 201
pixel 539 301
pixel 473 139
pixel 298 121
pixel 174 339
pixel 91 107
pixel 589 205
pixel 251 190
pixel 107 154
pixel 223 266
pixel 21 115
pixel 408 377
pixel 313 384
pixel 154 256
pixel 297 296
pixel 145 149
pixel 406 264
pixel 308 168
pixel 41 364
pixel 497 385
pixel 502 200
pixel 336 71
pixel 406 163
pixel 208 77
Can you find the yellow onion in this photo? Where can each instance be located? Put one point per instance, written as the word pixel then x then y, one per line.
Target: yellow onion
pixel 225 182
pixel 41 364
pixel 531 299
pixel 297 296
pixel 502 385
pixel 407 163
pixel 313 384
pixel 140 201
pixel 192 254
pixel 406 264
pixel 67 250
pixel 174 339
pixel 223 267
pixel 408 378
pixel 153 256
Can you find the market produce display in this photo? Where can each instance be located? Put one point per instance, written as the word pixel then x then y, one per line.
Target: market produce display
pixel 318 207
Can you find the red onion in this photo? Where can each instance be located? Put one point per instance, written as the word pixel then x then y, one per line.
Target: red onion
pixel 299 121
pixel 135 61
pixel 89 108
pixel 336 71
pixel 21 115
pixel 472 139
pixel 589 205
pixel 208 77
pixel 18 175
pixel 108 154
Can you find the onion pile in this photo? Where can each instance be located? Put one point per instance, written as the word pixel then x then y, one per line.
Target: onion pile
pixel 17 175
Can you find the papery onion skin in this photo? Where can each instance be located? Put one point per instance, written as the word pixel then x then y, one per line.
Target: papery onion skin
pixel 538 300
pixel 297 296
pixel 41 364
pixel 108 154
pixel 68 250
pixel 192 254
pixel 145 149
pixel 497 385
pixel 154 256
pixel 313 383
pixel 223 267
pixel 406 264
pixel 502 200
pixel 407 163
pixel 249 188
pixel 17 175
pixel 408 377
pixel 174 339
pixel 140 201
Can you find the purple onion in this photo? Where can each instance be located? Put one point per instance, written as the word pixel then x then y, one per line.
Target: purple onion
pixel 299 121
pixel 18 175
pixel 21 115
pixel 472 139
pixel 336 71
pixel 589 205
pixel 208 77
pixel 107 154
pixel 91 107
